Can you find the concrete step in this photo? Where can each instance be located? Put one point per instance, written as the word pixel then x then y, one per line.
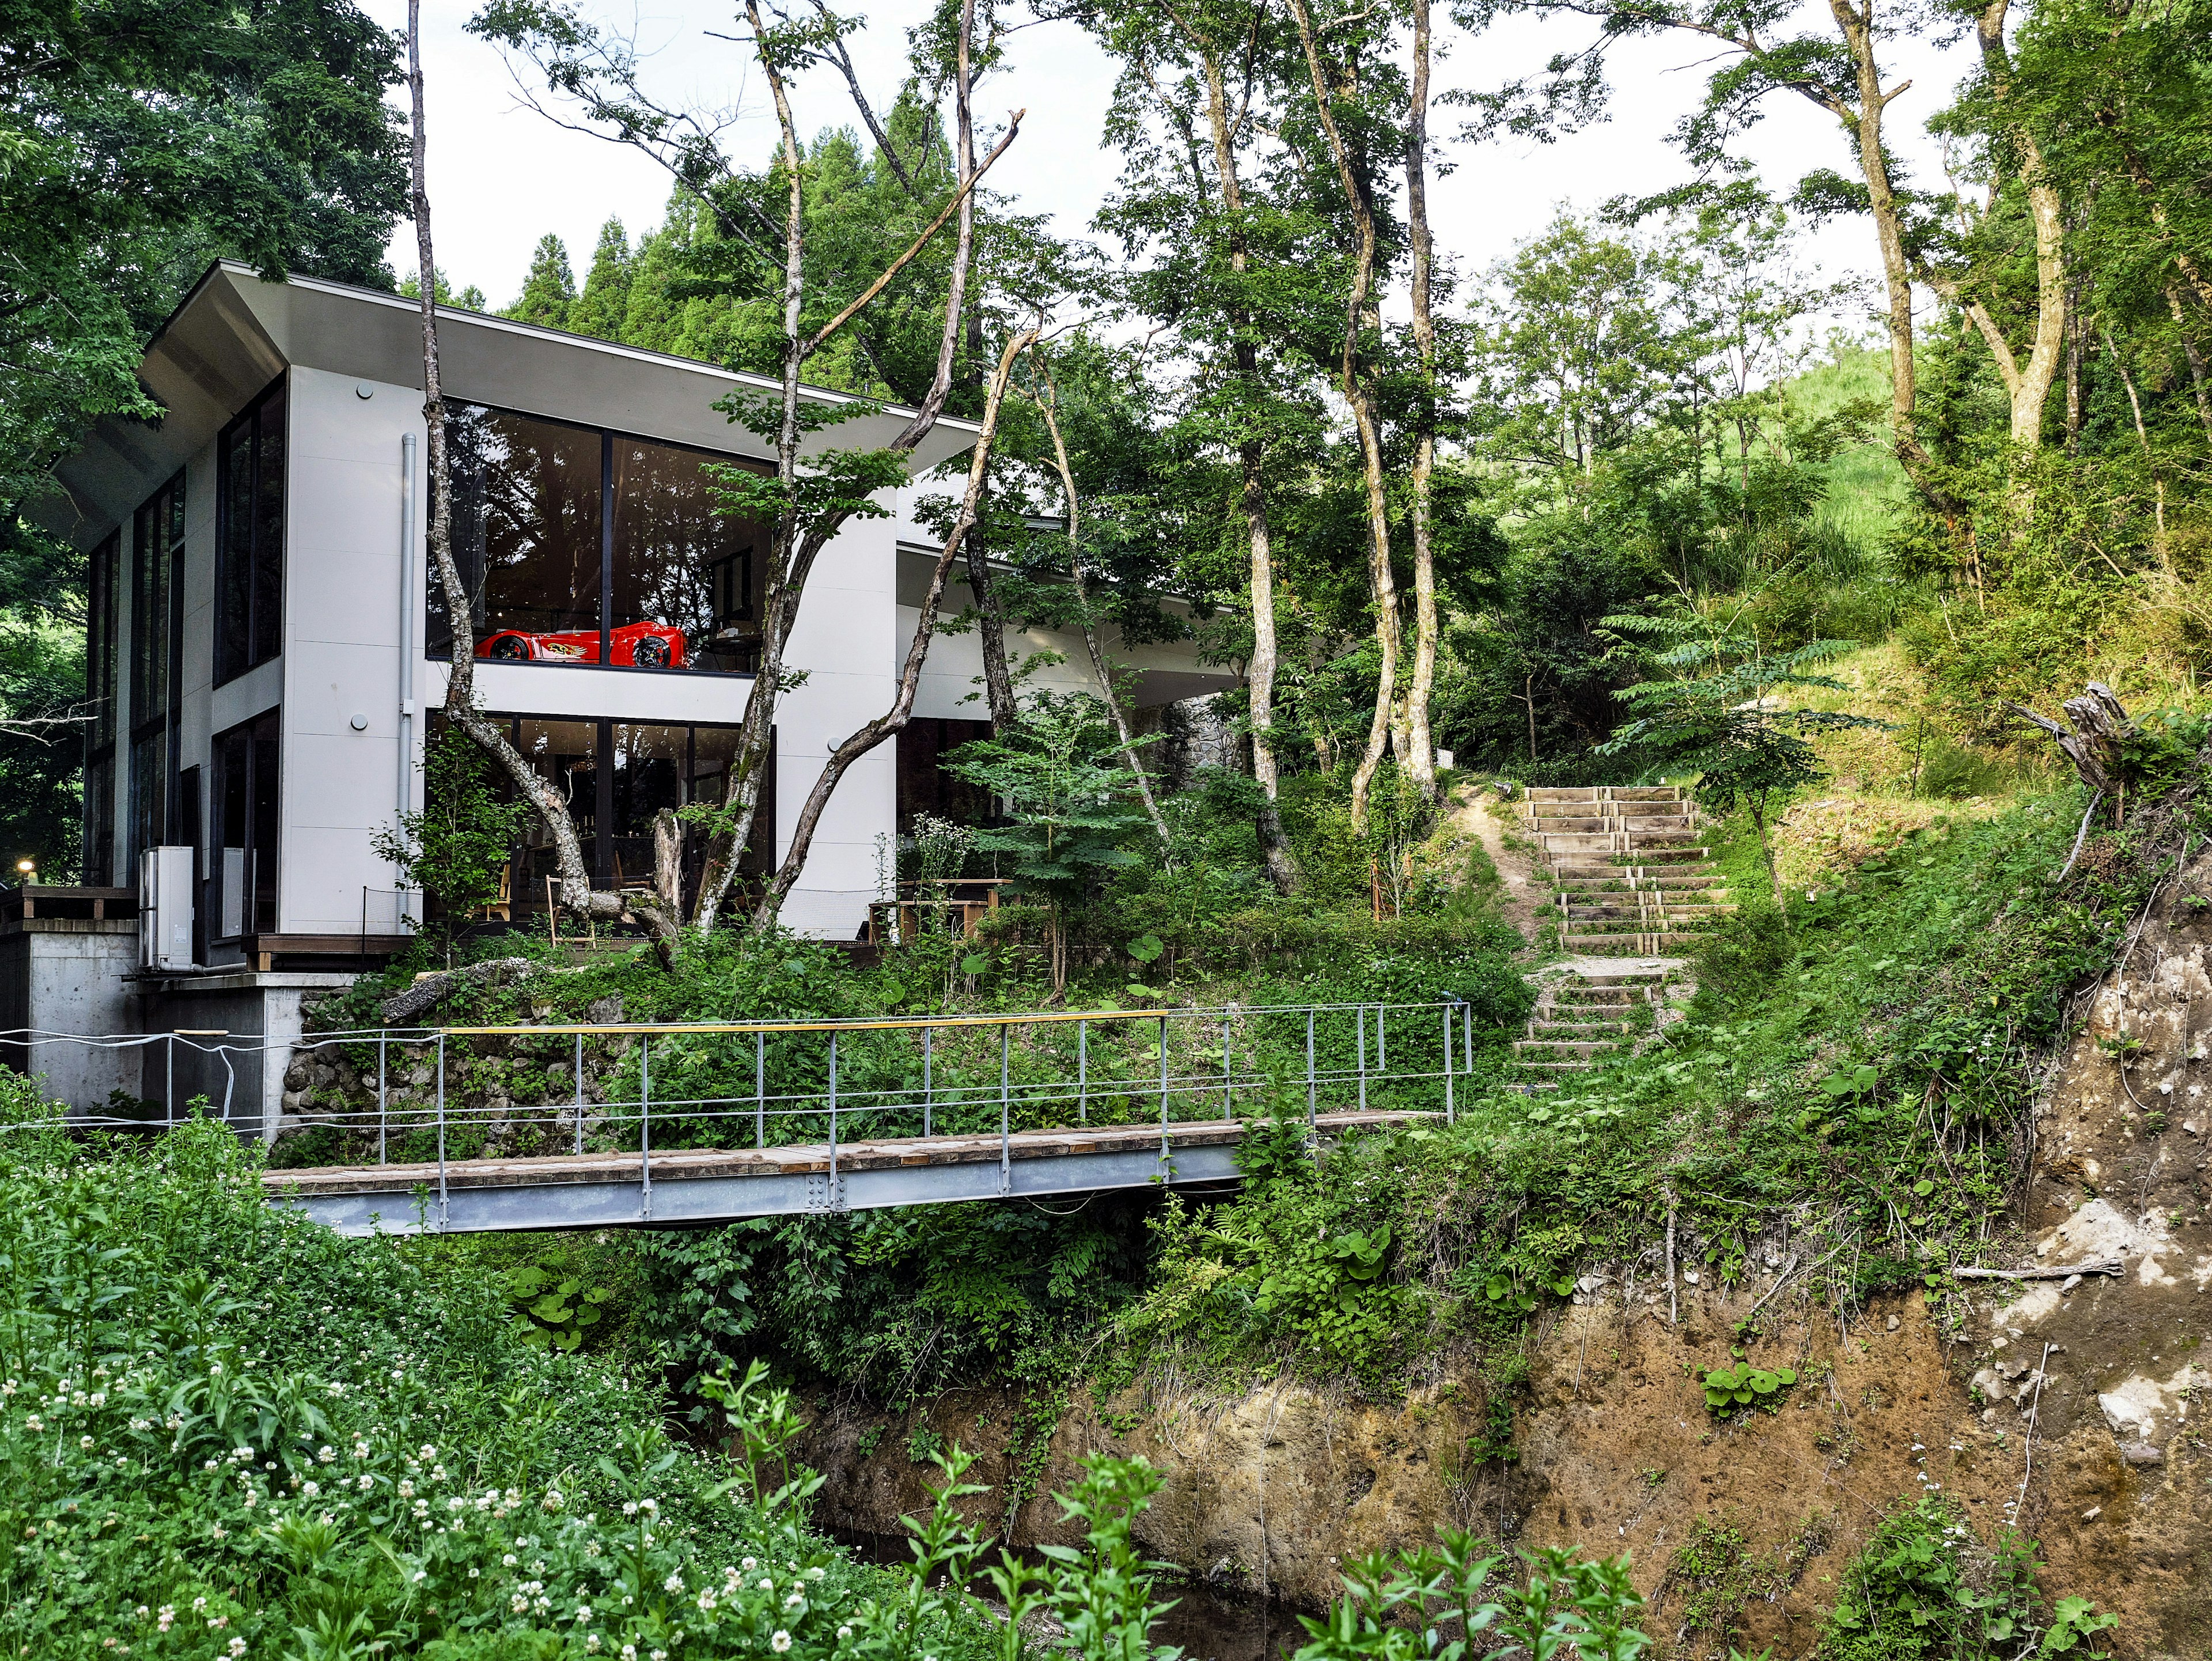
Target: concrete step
pixel 1627 945
pixel 1608 793
pixel 1540 1027
pixel 1556 1049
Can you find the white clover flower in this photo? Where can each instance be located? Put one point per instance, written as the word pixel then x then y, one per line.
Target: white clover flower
pixel 591 1644
pixel 421 1575
pixel 251 1499
pixel 437 1472
pixel 796 1600
pixel 216 1623
pixel 767 1584
pixel 674 1582
pixel 844 1633
pixel 629 1507
pixel 457 1504
pixel 630 1652
pixel 780 1642
pixel 649 1505
pixel 747 1564
pixel 518 1604
pixel 32 1421
pixel 237 1648
pixel 406 1488
pixel 365 1482
pixel 100 1398
pixel 706 1598
pixel 244 1456
pixel 583 1612
pixel 429 1451
pixel 659 1655
pixel 509 1561
pixel 310 1490
pixel 814 1574
pixel 142 1611
pixel 552 1501
pixel 325 1454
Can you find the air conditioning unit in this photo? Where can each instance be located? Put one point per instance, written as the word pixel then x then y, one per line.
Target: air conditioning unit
pixel 165 907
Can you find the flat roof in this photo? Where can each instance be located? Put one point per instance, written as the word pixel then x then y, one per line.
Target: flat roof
pixel 235 333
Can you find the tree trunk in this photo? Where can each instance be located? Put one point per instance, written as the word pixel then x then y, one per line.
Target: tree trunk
pixel 991 629
pixel 1856 24
pixel 895 719
pixel 1353 383
pixel 1260 673
pixel 1260 680
pixel 576 893
pixel 2194 353
pixel 1092 642
pixel 1421 759
pixel 790 555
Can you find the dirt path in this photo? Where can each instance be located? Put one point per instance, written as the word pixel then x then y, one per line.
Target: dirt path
pixel 1482 815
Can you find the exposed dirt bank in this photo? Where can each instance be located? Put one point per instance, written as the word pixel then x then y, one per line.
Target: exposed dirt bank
pixel 1271 1488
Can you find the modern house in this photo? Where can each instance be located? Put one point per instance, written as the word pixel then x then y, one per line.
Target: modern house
pixel 267 650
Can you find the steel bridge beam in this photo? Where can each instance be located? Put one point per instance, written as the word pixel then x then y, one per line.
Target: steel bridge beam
pixel 694 1186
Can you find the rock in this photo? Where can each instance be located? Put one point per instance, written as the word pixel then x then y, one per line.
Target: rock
pixel 1891 1326
pixel 295 1076
pixel 605 1011
pixel 2139 1454
pixel 1691 1276
pixel 2092 1514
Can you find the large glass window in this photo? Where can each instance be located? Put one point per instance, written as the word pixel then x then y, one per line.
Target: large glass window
pixel 526 535
pixel 250 562
pixel 157 547
pixel 243 873
pixel 616 776
pixel 579 546
pixel 682 570
pixel 101 666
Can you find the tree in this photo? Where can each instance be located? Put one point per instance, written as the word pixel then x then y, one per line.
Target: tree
pixel 811 496
pixel 549 288
pixel 454 849
pixel 1344 79
pixel 1746 753
pixel 137 143
pixel 602 309
pixel 1071 791
pixel 1215 242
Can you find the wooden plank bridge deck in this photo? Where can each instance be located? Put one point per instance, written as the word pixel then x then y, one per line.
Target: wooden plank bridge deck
pixel 676 1187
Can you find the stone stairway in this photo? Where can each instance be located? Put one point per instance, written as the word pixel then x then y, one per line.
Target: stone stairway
pixel 1586 1015
pixel 1631 881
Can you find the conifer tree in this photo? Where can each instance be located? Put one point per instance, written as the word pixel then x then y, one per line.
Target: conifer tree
pixel 602 309
pixel 549 290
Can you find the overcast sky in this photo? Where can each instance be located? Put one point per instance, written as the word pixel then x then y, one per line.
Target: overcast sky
pixel 502 175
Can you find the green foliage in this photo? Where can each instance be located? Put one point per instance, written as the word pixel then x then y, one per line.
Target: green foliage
pixel 1070 791
pixel 552 1306
pixel 1461 1612
pixel 454 849
pixel 1924 1585
pixel 1729 1388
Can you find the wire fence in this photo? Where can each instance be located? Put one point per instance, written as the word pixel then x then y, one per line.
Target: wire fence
pixel 639 1088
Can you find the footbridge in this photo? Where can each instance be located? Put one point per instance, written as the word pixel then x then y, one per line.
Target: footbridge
pixel 547 1125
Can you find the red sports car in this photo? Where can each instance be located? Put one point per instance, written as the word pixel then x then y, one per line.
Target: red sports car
pixel 639 645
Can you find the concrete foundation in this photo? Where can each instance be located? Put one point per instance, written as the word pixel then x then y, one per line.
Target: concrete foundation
pixel 236 1030
pixel 66 976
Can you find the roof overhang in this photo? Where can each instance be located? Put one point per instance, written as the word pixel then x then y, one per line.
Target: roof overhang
pixel 234 333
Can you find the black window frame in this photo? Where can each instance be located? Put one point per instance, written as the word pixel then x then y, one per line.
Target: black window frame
pixel 758 860
pixel 265 729
pixel 157 532
pixel 743 576
pixel 103 666
pixel 262 628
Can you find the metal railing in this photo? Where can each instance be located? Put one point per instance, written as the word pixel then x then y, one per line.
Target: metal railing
pixel 668 1086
